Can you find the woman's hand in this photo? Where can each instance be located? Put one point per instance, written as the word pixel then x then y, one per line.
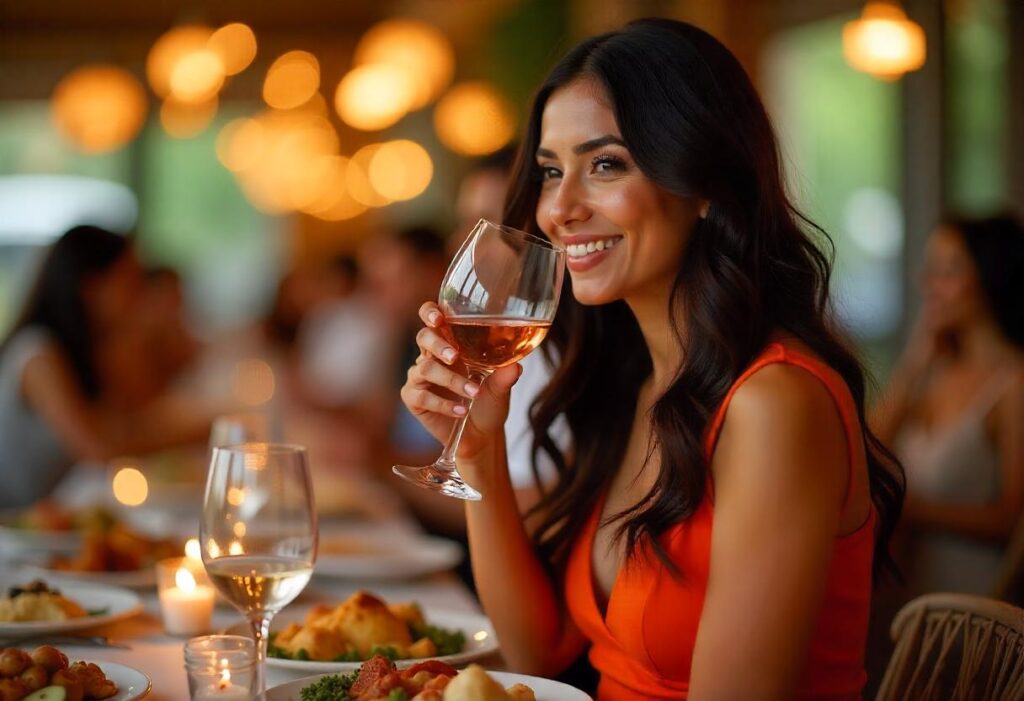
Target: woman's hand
pixel 438 389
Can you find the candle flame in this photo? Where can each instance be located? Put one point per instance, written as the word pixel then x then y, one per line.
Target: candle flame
pixel 225 676
pixel 184 579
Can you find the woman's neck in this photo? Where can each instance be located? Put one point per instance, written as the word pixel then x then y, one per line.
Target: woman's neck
pixel 982 343
pixel 652 315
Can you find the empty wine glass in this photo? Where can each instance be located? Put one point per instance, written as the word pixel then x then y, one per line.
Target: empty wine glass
pixel 259 532
pixel 499 298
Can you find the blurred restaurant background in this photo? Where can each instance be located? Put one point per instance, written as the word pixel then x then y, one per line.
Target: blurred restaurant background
pixel 241 141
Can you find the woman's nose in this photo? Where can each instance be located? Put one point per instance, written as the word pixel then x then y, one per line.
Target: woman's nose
pixel 569 204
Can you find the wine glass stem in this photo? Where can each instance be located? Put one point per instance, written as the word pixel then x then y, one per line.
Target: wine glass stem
pixel 447 459
pixel 260 624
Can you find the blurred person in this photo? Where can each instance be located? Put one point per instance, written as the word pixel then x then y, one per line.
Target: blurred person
pixel 481 195
pixel 63 393
pixel 954 408
pixel 724 504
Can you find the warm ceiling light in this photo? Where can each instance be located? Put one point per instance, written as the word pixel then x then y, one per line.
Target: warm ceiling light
pixel 183 120
pixel 333 201
pixel 474 119
pixel 417 48
pixel 292 80
pixel 99 108
pixel 884 42
pixel 235 43
pixel 400 170
pixel 374 96
pixel 240 143
pixel 169 49
pixel 197 76
pixel 357 178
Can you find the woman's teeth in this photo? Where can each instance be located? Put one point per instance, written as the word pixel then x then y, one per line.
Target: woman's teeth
pixel 579 250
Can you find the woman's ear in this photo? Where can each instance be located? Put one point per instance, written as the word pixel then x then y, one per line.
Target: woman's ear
pixel 705 205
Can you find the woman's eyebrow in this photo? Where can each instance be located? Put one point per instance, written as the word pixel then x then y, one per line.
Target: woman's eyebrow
pixel 585 147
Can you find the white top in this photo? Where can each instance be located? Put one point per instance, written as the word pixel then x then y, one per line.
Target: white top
pixel 518 435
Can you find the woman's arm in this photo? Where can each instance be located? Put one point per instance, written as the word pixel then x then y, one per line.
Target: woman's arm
pixel 516 591
pixel 780 473
pixel 997 520
pixel 88 433
pixel 906 385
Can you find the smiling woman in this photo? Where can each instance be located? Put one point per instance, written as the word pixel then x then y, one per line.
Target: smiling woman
pixel 704 385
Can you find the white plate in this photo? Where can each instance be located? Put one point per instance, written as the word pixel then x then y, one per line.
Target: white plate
pixel 133 579
pixel 131 683
pixel 119 603
pixel 480 642
pixel 545 689
pixel 365 554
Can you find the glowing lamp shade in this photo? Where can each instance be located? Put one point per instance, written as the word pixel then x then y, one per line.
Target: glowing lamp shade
pixel 416 48
pixel 168 52
pixel 130 486
pixel 374 96
pixel 182 120
pixel 235 44
pixel 99 108
pixel 400 170
pixel 292 80
pixel 883 42
pixel 474 119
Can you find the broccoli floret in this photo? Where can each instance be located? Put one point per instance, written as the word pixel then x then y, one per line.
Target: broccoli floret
pixel 448 642
pixel 332 688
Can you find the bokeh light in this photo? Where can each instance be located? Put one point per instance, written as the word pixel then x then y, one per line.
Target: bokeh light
pixel 235 44
pixel 240 143
pixel 474 119
pixel 99 108
pixel 357 178
pixel 130 486
pixel 417 48
pixel 183 120
pixel 197 76
pixel 169 50
pixel 374 96
pixel 291 80
pixel 192 550
pixel 884 42
pixel 253 382
pixel 333 203
pixel 400 170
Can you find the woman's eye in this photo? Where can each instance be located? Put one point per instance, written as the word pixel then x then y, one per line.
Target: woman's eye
pixel 549 172
pixel 607 164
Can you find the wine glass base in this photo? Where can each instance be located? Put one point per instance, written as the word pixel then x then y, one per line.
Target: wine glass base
pixel 447 482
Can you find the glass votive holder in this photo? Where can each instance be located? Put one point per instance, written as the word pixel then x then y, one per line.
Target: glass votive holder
pixel 220 667
pixel 186 596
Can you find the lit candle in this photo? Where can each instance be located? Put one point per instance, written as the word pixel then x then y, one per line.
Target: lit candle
pixel 223 690
pixel 187 607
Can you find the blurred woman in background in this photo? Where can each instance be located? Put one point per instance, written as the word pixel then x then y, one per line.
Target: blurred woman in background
pixel 954 410
pixel 75 383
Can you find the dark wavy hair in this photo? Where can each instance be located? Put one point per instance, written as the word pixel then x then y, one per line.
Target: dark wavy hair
pixel 996 247
pixel 695 125
pixel 55 301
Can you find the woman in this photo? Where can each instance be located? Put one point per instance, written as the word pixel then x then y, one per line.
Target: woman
pixel 701 382
pixel 955 407
pixel 70 373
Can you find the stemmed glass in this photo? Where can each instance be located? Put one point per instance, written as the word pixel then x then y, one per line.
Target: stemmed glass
pixel 259 532
pixel 499 298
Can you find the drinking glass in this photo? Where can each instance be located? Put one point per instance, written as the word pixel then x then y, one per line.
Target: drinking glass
pixel 258 532
pixel 499 298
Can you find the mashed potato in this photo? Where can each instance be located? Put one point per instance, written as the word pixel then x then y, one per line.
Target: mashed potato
pixel 44 606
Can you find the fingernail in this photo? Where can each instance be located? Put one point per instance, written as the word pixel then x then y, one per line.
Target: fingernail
pixel 459 409
pixel 448 354
pixel 472 389
pixel 434 318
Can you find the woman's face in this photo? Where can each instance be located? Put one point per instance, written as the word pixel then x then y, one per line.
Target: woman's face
pixel 113 295
pixel 624 235
pixel 949 281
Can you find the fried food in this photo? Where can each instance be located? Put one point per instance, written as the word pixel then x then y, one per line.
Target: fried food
pixel 22 673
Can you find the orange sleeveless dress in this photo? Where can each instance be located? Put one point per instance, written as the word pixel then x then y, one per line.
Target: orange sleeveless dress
pixel 643 646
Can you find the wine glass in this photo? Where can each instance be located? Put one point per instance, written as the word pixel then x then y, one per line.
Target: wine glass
pixel 259 532
pixel 499 298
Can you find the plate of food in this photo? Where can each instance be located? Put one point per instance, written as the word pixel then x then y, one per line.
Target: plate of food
pixel 110 552
pixel 35 608
pixel 379 680
pixel 365 554
pixel 340 638
pixel 45 528
pixel 46 674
